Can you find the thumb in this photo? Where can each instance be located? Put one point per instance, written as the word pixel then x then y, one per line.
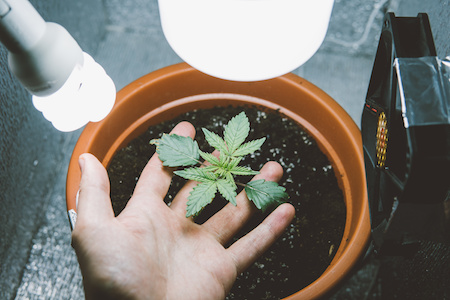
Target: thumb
pixel 94 203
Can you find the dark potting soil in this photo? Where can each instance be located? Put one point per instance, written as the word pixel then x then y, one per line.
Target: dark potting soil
pixel 308 245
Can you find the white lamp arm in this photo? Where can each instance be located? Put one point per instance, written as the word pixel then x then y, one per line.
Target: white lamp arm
pixel 21 26
pixel 42 55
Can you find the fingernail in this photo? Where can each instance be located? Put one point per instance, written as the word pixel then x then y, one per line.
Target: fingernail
pixel 81 163
pixel 76 199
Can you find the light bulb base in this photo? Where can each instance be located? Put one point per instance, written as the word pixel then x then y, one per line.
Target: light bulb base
pixel 44 68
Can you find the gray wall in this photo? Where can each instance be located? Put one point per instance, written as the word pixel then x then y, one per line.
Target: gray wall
pixel 31 152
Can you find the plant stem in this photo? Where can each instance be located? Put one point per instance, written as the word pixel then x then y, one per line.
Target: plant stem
pixel 241 184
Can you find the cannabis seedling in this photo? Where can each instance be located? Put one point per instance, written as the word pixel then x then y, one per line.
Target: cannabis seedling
pixel 218 174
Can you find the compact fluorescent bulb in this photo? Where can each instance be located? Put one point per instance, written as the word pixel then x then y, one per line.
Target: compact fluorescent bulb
pixel 87 95
pixel 245 40
pixel 68 86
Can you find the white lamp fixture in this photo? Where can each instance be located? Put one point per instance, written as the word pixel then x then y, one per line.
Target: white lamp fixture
pixel 245 40
pixel 68 86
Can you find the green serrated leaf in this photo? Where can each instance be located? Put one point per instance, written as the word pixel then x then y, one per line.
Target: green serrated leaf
pixel 227 190
pixel 225 163
pixel 211 168
pixel 236 131
pixel 201 195
pixel 197 174
pixel 209 158
pixel 220 172
pixel 265 193
pixel 239 170
pixel 229 177
pixel 234 161
pixel 175 150
pixel 223 157
pixel 215 140
pixel 155 142
pixel 249 147
pixel 228 162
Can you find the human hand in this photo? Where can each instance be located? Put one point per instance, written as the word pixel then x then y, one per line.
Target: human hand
pixel 151 250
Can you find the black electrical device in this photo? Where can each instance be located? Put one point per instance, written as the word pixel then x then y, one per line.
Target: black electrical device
pixel 406 137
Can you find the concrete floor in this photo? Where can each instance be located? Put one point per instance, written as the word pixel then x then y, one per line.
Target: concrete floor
pixel 134 45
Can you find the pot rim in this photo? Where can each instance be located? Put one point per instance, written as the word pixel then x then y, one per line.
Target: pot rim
pixel 357 226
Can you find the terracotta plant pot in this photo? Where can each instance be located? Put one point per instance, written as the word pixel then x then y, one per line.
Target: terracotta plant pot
pixel 168 92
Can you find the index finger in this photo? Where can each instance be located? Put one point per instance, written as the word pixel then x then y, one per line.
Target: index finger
pixel 247 249
pixel 155 178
